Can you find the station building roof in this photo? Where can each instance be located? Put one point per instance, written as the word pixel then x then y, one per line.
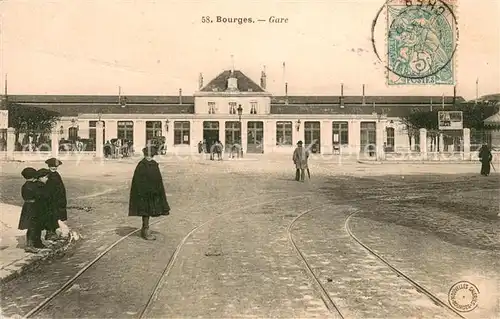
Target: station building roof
pixel 73 105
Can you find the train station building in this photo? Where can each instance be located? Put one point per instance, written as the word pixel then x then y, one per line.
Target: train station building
pixel 233 108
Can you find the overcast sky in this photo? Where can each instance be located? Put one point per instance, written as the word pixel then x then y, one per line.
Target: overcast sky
pixel 157 47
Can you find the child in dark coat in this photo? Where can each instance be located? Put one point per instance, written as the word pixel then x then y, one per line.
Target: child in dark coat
pixel 28 218
pixel 42 205
pixel 57 202
pixel 32 213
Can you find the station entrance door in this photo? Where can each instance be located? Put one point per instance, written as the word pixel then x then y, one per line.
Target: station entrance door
pixel 233 135
pixel 255 137
pixel 210 133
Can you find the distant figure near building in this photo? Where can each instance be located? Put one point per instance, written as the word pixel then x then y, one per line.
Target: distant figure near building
pixel 147 193
pixel 485 157
pixel 216 148
pixel 57 200
pixel 300 158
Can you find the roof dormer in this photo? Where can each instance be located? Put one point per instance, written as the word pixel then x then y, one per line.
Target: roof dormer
pixel 232 82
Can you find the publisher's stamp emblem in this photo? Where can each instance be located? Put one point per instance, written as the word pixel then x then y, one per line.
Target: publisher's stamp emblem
pixel 463 296
pixel 421 42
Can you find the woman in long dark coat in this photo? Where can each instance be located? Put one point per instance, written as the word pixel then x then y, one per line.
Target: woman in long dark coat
pixel 58 201
pixel 147 193
pixel 485 157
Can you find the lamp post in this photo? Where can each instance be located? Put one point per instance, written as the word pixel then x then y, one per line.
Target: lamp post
pixel 380 151
pixel 240 112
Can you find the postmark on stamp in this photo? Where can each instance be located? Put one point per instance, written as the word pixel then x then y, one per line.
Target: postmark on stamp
pixel 421 42
pixel 463 296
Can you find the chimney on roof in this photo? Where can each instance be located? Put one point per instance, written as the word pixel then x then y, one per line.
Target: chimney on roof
pixel 454 94
pixel 341 102
pixel 200 81
pixel 263 78
pixel 286 92
pixel 364 98
pixel 180 96
pixel 5 99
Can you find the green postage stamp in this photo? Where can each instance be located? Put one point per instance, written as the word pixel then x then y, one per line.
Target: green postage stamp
pixel 421 42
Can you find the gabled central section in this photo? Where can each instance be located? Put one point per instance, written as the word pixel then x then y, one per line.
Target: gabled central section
pixel 232 81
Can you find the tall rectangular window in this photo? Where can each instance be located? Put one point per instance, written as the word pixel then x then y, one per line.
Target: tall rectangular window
pixel 125 130
pixel 93 134
pixel 284 133
pixel 153 129
pixel 390 143
pixel 368 134
pixel 232 107
pixel 211 107
pixel 253 107
pixel 181 132
pixel 73 134
pixel 340 131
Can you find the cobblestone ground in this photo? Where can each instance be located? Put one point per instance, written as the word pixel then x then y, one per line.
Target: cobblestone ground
pixel 357 281
pixel 240 263
pixel 242 266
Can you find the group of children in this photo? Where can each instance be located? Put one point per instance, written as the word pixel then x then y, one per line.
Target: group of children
pixel 44 196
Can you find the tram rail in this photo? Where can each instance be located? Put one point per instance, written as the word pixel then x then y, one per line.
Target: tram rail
pixel 42 305
pixel 328 301
pixel 436 300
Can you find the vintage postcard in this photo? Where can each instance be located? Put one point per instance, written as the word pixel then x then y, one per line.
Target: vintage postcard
pixel 250 159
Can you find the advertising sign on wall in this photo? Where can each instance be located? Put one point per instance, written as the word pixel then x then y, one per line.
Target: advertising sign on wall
pixel 450 120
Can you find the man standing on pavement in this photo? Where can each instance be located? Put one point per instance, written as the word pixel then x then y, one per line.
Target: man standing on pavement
pixel 57 201
pixel 300 157
pixel 147 193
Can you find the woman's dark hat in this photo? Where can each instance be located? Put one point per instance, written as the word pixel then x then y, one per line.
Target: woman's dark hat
pixel 299 143
pixel 29 173
pixel 53 162
pixel 42 172
pixel 150 151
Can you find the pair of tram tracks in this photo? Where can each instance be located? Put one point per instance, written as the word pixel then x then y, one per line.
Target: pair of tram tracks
pixel 328 301
pixel 257 199
pixel 325 296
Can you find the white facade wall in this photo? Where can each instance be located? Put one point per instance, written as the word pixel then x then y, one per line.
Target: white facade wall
pixel 222 100
pixel 222 115
pixel 269 132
